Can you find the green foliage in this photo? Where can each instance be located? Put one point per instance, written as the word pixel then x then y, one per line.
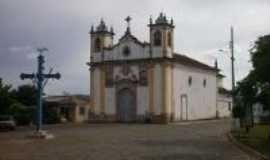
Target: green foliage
pixel 247 90
pixel 22 114
pixel 6 97
pixel 27 95
pixel 260 57
pixel 256 86
pixel 51 117
pixel 18 103
pixel 238 111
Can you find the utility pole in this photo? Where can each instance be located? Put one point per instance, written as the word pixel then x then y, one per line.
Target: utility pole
pixel 235 124
pixel 39 78
pixel 232 61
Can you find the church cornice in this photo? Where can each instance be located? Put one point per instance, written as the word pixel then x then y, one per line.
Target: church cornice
pixel 177 58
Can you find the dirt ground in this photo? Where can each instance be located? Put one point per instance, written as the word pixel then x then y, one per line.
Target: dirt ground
pixel 184 141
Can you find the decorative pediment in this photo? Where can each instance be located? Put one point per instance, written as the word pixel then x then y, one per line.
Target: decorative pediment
pixel 130 37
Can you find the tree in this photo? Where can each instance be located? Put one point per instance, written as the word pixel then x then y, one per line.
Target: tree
pixel 260 58
pixel 22 114
pixel 7 97
pixel 18 103
pixel 27 95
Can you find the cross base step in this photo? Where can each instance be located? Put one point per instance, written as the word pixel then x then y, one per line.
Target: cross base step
pixel 40 135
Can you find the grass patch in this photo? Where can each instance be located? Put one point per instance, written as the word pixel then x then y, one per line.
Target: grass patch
pixel 257 138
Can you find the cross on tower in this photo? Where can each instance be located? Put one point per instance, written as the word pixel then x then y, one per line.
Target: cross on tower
pixel 128 19
pixel 39 78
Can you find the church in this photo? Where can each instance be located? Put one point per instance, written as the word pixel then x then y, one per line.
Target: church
pixel 135 81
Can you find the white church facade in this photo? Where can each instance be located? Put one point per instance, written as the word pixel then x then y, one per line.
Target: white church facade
pixel 134 81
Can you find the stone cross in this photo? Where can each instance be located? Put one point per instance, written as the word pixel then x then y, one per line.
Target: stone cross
pixel 39 78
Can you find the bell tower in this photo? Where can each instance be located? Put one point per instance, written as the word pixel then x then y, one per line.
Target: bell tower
pixel 161 36
pixel 101 37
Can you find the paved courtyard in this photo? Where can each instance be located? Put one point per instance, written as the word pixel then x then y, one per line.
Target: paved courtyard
pixel 191 141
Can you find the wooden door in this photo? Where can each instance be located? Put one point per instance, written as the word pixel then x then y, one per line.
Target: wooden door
pixel 126 111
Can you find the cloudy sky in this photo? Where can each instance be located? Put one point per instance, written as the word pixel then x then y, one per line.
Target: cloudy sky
pixel 202 28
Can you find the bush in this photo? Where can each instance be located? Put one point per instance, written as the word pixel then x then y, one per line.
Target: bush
pixel 23 114
pixel 50 117
pixel 238 112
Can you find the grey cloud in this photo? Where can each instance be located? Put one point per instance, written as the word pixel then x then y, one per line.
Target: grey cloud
pixel 202 27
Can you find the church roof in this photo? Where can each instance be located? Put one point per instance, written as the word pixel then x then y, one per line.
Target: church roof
pixel 185 60
pixel 67 99
pixel 221 75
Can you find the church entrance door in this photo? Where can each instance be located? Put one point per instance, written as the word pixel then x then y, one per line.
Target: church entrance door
pixel 184 107
pixel 126 109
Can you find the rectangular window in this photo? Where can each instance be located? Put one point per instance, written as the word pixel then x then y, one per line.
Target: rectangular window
pixel 189 80
pixel 230 106
pixel 82 110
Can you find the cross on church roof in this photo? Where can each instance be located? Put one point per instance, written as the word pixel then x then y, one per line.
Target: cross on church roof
pixel 128 19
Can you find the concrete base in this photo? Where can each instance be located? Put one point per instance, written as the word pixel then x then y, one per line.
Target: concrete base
pixel 40 135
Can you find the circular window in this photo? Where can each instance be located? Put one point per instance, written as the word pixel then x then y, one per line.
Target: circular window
pixel 126 51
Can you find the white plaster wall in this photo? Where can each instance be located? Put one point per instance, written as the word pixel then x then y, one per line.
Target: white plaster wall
pixel 142 100
pixel 224 106
pixel 97 90
pixel 157 89
pixel 257 112
pixel 223 109
pixel 136 51
pixel 110 101
pixel 220 82
pixel 96 56
pixel 108 41
pixel 157 52
pixel 201 100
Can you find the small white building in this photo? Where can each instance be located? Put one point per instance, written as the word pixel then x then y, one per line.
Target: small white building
pixel 68 108
pixel 259 114
pixel 224 99
pixel 140 81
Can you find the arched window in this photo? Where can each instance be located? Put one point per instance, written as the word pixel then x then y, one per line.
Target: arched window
pixel 169 39
pixel 157 38
pixel 97 45
pixel 126 51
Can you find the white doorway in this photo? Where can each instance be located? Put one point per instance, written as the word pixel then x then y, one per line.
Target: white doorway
pixel 184 107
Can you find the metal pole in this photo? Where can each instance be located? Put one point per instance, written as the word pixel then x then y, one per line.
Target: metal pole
pixel 39 87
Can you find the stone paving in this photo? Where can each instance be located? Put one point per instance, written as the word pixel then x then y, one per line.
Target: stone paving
pixel 184 141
